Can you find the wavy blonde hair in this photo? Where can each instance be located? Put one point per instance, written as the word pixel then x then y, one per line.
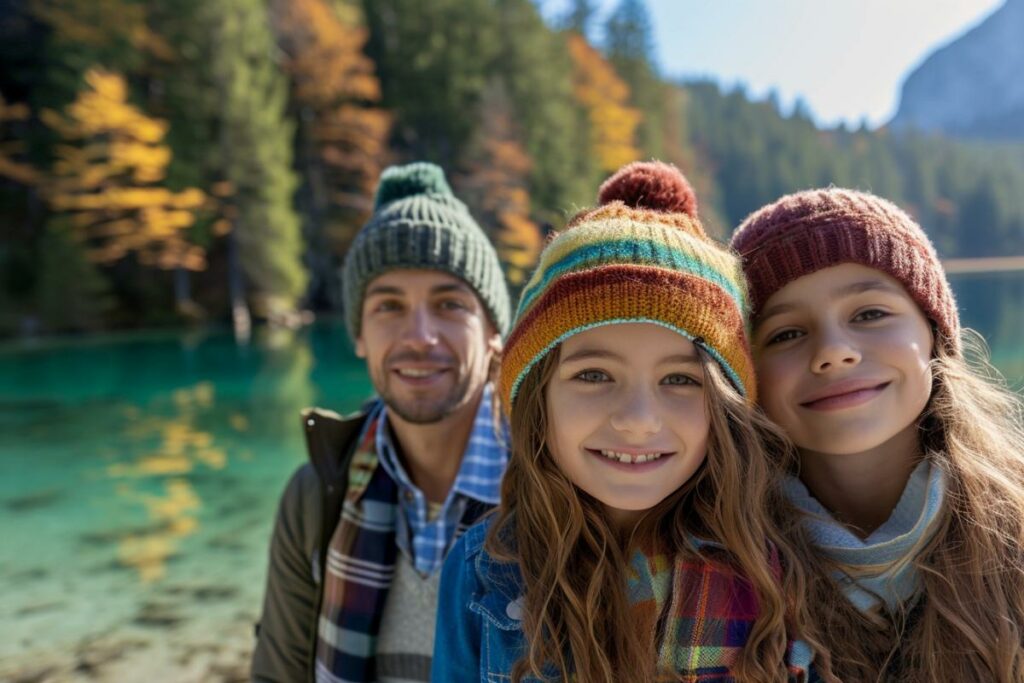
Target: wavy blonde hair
pixel 577 619
pixel 969 623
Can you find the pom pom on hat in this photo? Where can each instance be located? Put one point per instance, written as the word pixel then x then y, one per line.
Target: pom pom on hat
pixel 651 185
pixel 399 182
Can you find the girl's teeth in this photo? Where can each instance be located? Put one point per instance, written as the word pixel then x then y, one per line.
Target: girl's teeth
pixel 631 459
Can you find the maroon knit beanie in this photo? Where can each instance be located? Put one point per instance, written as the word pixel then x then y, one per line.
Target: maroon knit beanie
pixel 804 232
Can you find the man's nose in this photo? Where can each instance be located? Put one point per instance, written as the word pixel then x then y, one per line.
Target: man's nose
pixel 420 330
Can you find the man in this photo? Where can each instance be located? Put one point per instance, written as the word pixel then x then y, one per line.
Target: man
pixel 363 528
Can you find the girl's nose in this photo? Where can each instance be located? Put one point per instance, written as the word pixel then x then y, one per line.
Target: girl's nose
pixel 834 351
pixel 637 415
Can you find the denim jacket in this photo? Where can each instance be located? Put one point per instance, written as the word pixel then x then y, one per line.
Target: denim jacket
pixel 479 634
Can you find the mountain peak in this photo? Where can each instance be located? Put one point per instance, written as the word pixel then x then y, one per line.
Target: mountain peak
pixel 971 87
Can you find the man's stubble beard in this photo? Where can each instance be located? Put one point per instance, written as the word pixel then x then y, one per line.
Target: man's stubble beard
pixel 427 411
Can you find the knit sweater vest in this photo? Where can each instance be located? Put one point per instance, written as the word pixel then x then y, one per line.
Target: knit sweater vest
pixel 406 641
pixel 878 570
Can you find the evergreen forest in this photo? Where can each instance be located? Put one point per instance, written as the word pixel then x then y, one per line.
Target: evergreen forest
pixel 173 161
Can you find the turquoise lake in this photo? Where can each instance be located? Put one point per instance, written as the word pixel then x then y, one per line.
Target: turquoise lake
pixel 139 475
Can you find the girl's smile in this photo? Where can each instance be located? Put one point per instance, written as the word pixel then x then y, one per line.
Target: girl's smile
pixel 845 394
pixel 630 459
pixel 626 413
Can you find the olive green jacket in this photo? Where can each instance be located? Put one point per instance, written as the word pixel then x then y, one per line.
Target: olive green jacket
pixel 306 517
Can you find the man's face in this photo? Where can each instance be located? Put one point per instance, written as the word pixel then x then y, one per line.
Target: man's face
pixel 427 342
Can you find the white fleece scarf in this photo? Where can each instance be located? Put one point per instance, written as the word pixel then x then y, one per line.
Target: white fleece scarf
pixel 878 569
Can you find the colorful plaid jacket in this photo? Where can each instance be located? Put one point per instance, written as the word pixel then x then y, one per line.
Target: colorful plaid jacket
pixel 479 635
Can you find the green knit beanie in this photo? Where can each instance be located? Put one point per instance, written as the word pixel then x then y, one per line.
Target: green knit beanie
pixel 418 223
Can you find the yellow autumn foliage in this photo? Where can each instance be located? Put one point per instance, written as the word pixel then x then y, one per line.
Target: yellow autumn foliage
pixel 613 123
pixel 10 167
pixel 106 178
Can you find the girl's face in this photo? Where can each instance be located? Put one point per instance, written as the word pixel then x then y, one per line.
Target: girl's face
pixel 842 359
pixel 626 415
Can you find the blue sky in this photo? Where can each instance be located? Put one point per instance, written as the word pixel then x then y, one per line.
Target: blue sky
pixel 845 58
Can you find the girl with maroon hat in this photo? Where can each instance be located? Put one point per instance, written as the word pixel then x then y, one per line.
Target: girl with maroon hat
pixel 911 457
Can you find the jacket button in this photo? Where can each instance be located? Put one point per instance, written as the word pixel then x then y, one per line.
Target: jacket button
pixel 309 422
pixel 514 609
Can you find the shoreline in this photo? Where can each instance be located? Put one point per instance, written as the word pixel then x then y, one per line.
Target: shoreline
pixel 154 655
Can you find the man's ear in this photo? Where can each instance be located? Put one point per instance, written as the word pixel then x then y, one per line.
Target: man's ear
pixel 494 342
pixel 360 347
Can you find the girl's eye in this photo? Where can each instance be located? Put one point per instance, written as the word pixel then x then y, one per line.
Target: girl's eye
pixel 386 306
pixel 592 376
pixel 870 314
pixel 783 336
pixel 680 380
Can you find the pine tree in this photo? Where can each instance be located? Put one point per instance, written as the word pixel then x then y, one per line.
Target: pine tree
pixel 496 189
pixel 255 151
pixel 70 293
pixel 342 142
pixel 629 46
pixel 13 165
pixel 433 59
pixel 536 71
pixel 579 17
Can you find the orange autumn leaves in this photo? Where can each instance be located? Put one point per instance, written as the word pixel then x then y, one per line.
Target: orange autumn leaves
pixel 605 96
pixel 108 180
pixel 335 86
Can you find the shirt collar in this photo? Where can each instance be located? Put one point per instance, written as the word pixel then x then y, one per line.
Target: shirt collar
pixel 483 461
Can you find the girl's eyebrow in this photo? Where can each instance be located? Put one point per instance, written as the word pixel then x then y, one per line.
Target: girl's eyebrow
pixel 591 354
pixel 863 286
pixel 681 359
pixel 603 354
pixel 840 293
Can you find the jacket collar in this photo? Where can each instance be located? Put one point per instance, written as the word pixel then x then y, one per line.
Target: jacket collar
pixel 329 439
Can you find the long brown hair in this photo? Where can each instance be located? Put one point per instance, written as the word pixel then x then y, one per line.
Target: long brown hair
pixel 576 618
pixel 969 622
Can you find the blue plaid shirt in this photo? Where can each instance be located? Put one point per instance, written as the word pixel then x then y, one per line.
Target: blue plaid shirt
pixel 479 478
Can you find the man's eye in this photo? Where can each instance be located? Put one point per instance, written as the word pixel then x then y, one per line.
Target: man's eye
pixel 784 336
pixel 680 380
pixel 592 376
pixel 870 314
pixel 386 306
pixel 453 305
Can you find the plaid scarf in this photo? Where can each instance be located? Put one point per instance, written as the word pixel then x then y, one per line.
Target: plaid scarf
pixel 360 567
pixel 702 614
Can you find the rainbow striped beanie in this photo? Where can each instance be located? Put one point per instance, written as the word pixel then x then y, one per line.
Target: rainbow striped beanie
pixel 640 256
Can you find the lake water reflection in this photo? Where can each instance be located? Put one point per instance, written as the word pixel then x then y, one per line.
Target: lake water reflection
pixel 138 481
pixel 139 476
